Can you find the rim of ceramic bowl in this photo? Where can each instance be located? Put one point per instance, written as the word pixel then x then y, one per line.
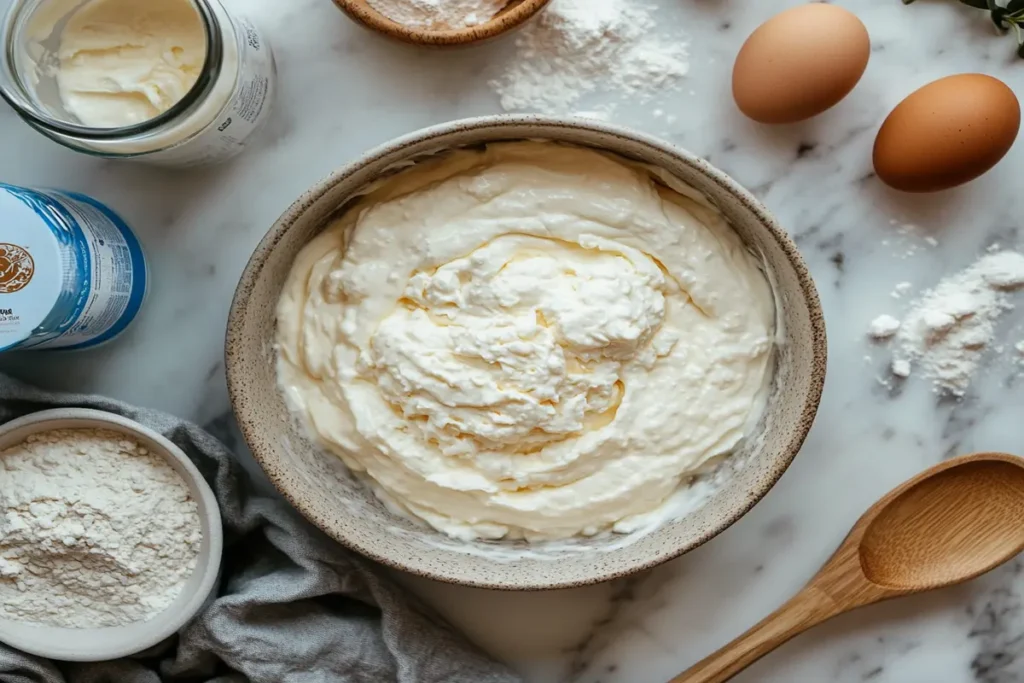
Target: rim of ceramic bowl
pixel 509 18
pixel 807 289
pixel 209 511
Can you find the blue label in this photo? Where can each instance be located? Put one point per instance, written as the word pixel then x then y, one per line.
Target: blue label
pixel 86 274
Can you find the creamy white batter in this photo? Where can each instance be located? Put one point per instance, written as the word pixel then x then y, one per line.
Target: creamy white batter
pixel 122 62
pixel 528 341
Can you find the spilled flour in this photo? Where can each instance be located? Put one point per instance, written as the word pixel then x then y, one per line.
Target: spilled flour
pixel 576 47
pixel 949 328
pixel 439 14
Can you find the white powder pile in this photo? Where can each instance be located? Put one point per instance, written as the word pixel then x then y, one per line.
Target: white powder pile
pixel 884 327
pixel 948 329
pixel 577 47
pixel 94 530
pixel 910 239
pixel 439 14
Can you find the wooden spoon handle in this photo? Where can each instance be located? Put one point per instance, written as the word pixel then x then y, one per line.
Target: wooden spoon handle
pixel 808 608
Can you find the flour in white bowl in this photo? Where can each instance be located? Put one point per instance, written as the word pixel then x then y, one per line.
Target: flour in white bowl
pixel 439 14
pixel 94 530
pixel 576 47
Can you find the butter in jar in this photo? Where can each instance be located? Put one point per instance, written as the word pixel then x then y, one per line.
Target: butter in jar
pixel 168 82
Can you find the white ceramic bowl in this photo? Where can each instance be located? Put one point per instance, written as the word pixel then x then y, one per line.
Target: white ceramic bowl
pixel 98 644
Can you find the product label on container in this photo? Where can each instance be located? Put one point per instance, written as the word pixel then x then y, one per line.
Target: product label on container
pixel 246 111
pixel 72 274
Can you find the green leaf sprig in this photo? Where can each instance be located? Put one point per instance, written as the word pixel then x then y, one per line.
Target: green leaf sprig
pixel 1006 17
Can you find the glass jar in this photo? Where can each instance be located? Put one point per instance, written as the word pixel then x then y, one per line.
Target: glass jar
pixel 229 101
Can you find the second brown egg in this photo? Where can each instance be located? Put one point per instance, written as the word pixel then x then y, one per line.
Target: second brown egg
pixel 947 133
pixel 800 63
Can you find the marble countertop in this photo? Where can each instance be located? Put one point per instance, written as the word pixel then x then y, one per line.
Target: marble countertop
pixel 344 90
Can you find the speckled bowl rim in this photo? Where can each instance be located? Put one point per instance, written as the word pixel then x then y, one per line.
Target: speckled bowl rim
pixel 505 21
pixel 254 267
pixel 176 615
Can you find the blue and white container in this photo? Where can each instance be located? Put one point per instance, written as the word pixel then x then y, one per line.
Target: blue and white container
pixel 72 273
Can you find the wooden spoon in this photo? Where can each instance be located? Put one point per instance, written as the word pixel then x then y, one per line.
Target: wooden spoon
pixel 949 524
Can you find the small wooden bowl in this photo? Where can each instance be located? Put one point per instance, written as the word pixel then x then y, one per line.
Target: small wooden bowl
pixel 515 13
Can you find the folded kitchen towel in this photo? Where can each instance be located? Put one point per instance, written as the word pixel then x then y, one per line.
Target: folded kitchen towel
pixel 292 606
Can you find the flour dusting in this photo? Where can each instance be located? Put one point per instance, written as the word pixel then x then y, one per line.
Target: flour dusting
pixel 947 331
pixel 576 47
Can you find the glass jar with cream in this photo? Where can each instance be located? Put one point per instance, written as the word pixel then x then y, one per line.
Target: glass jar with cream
pixel 173 82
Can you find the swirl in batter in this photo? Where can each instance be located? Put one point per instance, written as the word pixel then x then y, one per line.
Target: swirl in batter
pixel 526 341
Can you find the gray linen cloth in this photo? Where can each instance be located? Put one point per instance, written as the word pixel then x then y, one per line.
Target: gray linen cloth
pixel 291 606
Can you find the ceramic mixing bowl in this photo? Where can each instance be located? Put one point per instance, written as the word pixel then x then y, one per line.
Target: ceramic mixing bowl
pixel 318 484
pixel 113 642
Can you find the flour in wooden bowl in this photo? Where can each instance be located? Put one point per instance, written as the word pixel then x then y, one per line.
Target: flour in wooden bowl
pixel 439 14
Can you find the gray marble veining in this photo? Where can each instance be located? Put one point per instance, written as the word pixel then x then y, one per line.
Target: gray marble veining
pixel 344 90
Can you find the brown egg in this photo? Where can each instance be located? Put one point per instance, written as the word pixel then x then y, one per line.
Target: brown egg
pixel 799 63
pixel 946 133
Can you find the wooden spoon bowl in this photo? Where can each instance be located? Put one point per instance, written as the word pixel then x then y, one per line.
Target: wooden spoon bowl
pixel 948 525
pixel 935 534
pixel 515 13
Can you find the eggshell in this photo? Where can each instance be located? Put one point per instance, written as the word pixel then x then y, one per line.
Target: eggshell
pixel 799 63
pixel 946 133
